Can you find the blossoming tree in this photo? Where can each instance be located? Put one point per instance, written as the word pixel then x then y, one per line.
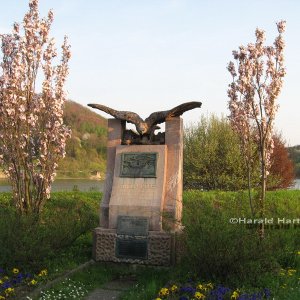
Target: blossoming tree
pixel 252 98
pixel 32 133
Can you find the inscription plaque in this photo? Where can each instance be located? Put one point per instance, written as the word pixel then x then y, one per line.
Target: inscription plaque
pixel 138 165
pixel 134 226
pixel 132 248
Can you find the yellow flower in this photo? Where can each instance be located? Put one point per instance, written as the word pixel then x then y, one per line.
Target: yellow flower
pixel 1 281
pixel 204 287
pixel 234 295
pixel 174 288
pixel 199 295
pixel 157 298
pixel 164 292
pixel 210 285
pixel 298 252
pixel 8 291
pixel 15 270
pixel 291 272
pixel 33 282
pixel 43 273
pixel 282 273
pixel 2 298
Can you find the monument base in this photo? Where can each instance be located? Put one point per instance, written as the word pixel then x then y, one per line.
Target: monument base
pixel 157 249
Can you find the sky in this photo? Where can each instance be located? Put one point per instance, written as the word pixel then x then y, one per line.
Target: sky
pixel 151 55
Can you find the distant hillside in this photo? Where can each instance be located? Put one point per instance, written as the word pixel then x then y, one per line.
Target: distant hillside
pixel 295 156
pixel 76 115
pixel 86 149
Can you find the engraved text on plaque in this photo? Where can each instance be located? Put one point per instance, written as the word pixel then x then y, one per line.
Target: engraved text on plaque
pixel 134 226
pixel 139 164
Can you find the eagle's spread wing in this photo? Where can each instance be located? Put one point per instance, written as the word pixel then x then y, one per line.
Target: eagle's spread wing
pixel 128 116
pixel 160 116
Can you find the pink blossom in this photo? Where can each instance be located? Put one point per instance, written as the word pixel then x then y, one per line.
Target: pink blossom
pixel 281 25
pixel 257 85
pixel 33 136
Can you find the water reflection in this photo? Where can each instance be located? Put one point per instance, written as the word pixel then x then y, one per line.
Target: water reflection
pixel 61 185
pixel 87 185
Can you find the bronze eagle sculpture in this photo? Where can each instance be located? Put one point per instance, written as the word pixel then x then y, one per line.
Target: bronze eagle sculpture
pixel 147 126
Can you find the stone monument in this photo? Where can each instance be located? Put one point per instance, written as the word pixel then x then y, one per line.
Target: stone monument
pixel 141 207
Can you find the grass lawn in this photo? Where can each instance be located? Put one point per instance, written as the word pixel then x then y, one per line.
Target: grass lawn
pixel 219 257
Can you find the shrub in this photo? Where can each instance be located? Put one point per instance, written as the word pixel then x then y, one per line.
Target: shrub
pixel 218 250
pixel 212 158
pixel 28 240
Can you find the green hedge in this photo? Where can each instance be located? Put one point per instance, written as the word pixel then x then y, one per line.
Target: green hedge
pixel 28 242
pixel 216 249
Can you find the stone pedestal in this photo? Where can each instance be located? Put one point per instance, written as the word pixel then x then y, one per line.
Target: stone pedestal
pixel 159 253
pixel 143 182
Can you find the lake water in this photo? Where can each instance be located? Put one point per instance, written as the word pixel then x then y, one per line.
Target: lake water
pixel 60 185
pixel 86 185
pixel 296 185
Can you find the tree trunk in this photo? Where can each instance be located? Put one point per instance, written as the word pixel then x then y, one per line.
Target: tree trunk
pixel 249 191
pixel 262 195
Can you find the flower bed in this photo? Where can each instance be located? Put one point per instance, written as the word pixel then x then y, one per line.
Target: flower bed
pixel 208 291
pixel 14 280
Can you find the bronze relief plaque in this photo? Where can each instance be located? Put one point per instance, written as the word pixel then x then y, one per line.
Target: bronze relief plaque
pixel 131 248
pixel 138 164
pixel 132 239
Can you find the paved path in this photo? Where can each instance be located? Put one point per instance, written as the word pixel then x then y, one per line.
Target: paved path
pixel 111 290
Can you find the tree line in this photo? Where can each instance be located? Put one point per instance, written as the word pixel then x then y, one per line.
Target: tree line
pixel 213 160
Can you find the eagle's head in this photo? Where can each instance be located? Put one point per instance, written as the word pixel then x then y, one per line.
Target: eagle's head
pixel 142 128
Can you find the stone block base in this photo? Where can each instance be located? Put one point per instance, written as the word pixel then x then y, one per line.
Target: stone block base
pixel 160 248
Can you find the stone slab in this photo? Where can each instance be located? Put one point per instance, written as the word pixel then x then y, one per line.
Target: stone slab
pixel 174 177
pixel 112 290
pixel 133 226
pixel 120 284
pixel 114 138
pixel 103 294
pixel 142 197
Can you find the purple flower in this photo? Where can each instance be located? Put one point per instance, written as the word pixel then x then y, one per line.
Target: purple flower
pixel 183 298
pixel 28 275
pixel 6 285
pixel 254 297
pixel 1 271
pixel 267 293
pixel 247 297
pixel 219 292
pixel 188 289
